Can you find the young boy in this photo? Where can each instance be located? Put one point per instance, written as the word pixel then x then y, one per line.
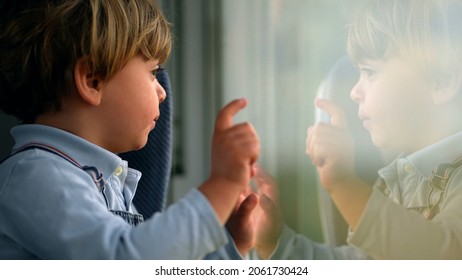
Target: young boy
pixel 409 54
pixel 81 75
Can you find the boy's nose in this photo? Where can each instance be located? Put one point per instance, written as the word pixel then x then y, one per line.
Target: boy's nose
pixel 356 93
pixel 161 93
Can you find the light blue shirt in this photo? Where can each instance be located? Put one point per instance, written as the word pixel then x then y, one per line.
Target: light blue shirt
pixel 51 209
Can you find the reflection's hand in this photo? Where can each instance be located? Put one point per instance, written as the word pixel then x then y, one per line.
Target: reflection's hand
pixel 267 217
pixel 330 146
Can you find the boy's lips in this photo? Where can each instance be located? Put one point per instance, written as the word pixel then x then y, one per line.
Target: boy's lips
pixel 154 121
pixel 367 124
pixel 366 120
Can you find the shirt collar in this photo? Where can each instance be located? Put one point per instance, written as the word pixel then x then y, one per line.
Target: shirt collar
pixel 81 150
pixel 444 151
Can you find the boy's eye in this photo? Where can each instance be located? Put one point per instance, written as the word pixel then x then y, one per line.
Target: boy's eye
pixel 368 72
pixel 156 71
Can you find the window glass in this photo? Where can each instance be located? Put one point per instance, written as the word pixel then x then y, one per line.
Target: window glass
pixel 276 53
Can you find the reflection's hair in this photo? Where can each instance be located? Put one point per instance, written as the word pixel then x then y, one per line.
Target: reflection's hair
pixel 425 31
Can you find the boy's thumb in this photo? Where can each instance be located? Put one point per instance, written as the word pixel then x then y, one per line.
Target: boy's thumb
pixel 267 204
pixel 225 116
pixel 337 116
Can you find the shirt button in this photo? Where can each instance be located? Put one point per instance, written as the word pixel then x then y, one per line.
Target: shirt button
pixel 119 170
pixel 386 192
pixel 409 168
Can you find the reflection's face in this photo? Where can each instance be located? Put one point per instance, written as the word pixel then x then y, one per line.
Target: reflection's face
pixel 395 103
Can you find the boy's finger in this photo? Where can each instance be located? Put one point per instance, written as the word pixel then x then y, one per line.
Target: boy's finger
pixel 268 205
pixel 261 176
pixel 245 209
pixel 225 117
pixel 265 183
pixel 253 170
pixel 336 112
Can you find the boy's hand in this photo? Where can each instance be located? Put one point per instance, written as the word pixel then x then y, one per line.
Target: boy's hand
pixel 257 226
pixel 235 149
pixel 268 216
pixel 331 149
pixel 330 146
pixel 240 224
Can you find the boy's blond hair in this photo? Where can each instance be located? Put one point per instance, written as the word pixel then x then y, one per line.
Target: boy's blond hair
pixel 425 31
pixel 41 41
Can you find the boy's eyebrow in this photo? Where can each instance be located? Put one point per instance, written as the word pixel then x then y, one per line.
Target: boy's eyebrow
pixel 148 59
pixel 155 65
pixel 359 65
pixel 152 61
pixel 363 65
pixel 367 62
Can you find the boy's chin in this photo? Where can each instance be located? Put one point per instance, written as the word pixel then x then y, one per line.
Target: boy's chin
pixel 140 145
pixel 382 144
pixel 136 146
pixel 377 141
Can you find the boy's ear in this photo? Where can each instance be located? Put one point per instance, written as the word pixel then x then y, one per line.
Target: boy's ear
pixel 447 88
pixel 88 85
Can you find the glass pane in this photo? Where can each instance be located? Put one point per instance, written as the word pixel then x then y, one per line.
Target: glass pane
pixel 276 53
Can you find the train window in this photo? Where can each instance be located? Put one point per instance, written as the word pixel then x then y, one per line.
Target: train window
pixel 273 52
pixel 276 53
